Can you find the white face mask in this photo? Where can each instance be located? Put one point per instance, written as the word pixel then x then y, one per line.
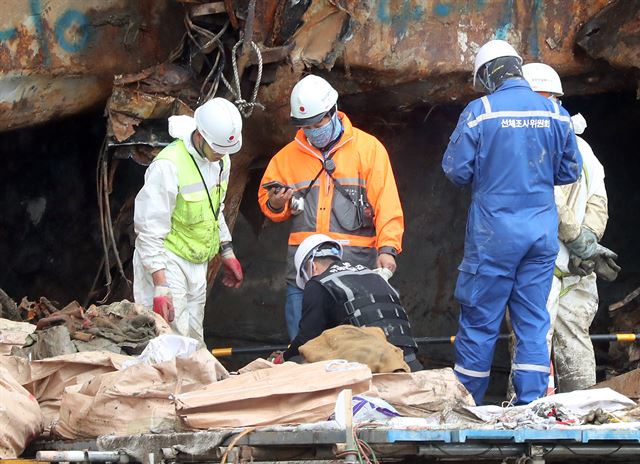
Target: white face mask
pixel 579 123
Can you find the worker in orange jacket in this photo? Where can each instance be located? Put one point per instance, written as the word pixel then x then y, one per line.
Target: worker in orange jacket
pixel 336 180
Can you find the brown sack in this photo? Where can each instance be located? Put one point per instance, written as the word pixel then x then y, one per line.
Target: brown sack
pixel 423 392
pixel 135 400
pixel 258 364
pixel 20 417
pixel 287 394
pixel 46 379
pixel 366 345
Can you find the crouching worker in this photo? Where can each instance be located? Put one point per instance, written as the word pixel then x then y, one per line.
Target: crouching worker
pixel 338 293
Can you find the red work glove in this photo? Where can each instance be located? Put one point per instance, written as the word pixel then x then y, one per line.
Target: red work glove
pixel 163 303
pixel 277 357
pixel 233 275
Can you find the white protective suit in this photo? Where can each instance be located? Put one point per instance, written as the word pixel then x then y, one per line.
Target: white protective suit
pixel 573 300
pixel 152 220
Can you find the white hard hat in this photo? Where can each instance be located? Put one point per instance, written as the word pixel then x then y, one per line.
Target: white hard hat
pixel 308 249
pixel 542 78
pixel 490 51
pixel 311 100
pixel 220 123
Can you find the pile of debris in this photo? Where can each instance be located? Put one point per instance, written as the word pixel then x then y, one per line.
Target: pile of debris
pixel 625 318
pixel 40 330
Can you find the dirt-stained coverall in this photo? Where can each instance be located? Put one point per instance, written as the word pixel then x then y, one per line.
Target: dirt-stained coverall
pixel 573 300
pixel 154 207
pixel 512 146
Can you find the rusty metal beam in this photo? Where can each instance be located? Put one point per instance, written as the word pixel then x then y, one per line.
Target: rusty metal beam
pixel 614 34
pixel 404 41
pixel 59 58
pixel 392 54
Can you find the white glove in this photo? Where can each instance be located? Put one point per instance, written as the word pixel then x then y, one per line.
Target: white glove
pixel 385 273
pixel 297 205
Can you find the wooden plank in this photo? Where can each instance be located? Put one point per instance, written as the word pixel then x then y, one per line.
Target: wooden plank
pixel 626 384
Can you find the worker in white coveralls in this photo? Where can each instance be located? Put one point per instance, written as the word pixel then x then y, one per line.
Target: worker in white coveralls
pixel 582 218
pixel 179 217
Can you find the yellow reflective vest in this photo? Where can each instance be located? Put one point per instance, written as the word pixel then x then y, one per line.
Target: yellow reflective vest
pixel 195 232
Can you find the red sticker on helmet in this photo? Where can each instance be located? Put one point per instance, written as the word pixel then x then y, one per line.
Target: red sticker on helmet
pixel 302 109
pixel 231 138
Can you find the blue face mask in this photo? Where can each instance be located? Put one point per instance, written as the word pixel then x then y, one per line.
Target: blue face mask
pixel 320 137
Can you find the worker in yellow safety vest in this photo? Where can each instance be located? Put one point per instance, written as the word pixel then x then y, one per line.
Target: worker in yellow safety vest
pixel 179 217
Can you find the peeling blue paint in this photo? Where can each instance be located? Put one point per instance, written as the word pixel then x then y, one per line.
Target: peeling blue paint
pixel 399 21
pixel 8 34
pixel 383 12
pixel 68 19
pixel 534 36
pixel 442 10
pixel 36 14
pixel 506 22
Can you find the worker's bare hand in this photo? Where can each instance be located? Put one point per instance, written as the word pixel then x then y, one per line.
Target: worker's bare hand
pixel 387 261
pixel 278 198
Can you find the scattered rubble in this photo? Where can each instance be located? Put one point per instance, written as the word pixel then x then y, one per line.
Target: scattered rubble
pixel 625 317
pixel 8 307
pixel 44 331
pixel 13 334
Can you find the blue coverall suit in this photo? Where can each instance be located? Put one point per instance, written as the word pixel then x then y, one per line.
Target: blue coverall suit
pixel 512 146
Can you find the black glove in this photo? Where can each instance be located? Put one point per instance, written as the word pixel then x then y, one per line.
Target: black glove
pixel 581 267
pixel 605 266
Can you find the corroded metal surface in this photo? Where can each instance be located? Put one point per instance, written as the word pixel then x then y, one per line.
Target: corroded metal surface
pixel 420 49
pixel 387 55
pixel 614 34
pixel 405 40
pixel 59 57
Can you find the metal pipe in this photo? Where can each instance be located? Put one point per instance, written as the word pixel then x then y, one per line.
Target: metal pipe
pixel 622 338
pixel 82 456
pixel 224 352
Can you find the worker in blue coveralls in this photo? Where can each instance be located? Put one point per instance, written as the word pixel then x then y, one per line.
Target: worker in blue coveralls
pixel 512 146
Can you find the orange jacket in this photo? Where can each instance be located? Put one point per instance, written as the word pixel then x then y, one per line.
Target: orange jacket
pixel 362 165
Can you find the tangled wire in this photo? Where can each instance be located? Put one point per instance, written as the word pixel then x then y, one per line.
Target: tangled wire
pixel 206 42
pixel 363 451
pixel 211 82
